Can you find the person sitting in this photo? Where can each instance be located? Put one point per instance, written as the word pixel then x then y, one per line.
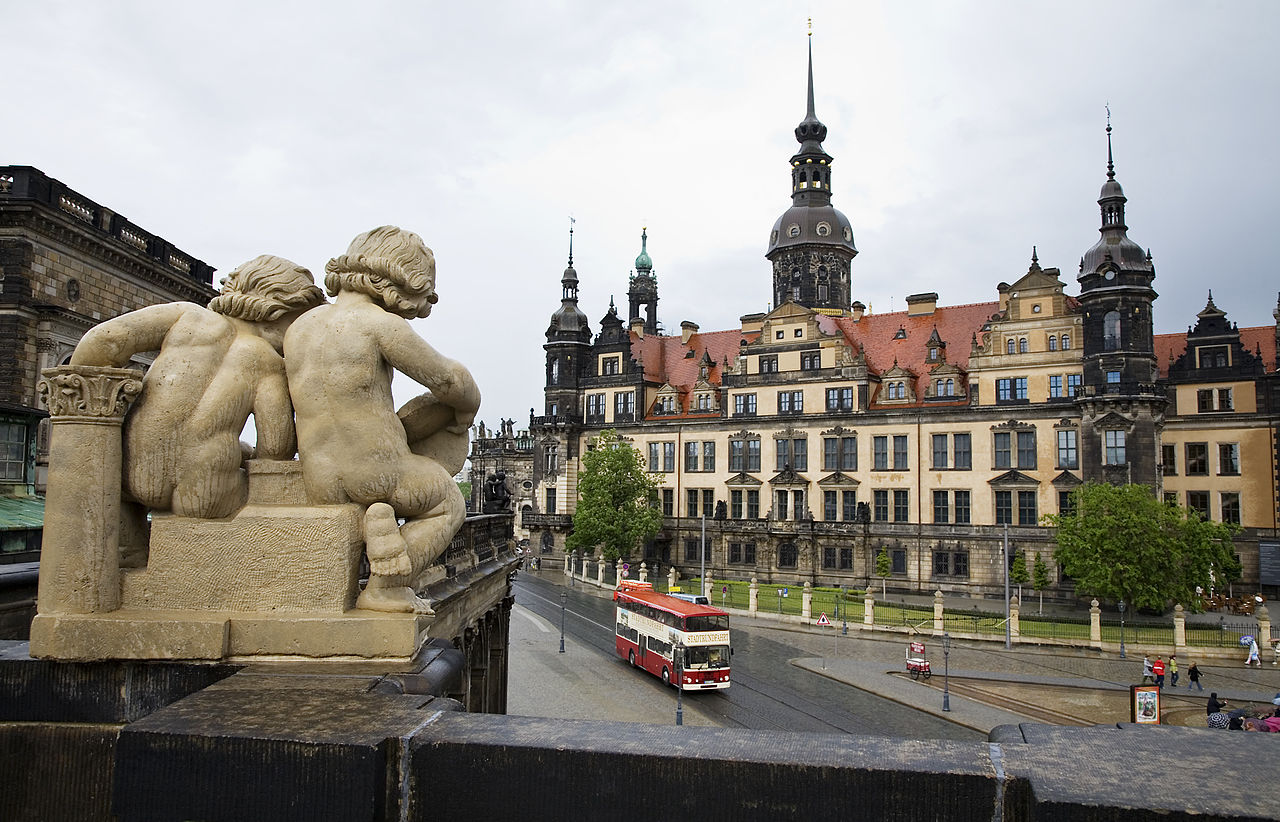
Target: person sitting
pixel 1214 704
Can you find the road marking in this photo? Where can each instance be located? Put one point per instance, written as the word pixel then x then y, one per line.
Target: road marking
pixel 554 604
pixel 542 624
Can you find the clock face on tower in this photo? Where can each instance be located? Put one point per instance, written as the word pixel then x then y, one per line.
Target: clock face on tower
pixel 1110 275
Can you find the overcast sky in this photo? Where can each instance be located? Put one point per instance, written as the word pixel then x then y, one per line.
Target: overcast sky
pixel 963 134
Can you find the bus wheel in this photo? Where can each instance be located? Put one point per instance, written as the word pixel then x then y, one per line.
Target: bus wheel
pixel 666 677
pixel 631 657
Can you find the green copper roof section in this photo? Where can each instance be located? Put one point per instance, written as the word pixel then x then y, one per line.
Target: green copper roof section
pixel 643 263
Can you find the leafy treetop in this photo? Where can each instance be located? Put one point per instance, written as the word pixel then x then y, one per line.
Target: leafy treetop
pixel 615 501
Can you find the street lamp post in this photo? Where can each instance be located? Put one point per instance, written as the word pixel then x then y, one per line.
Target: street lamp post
pixel 1008 637
pixel 679 681
pixel 844 613
pixel 946 671
pixel 564 597
pixel 1120 605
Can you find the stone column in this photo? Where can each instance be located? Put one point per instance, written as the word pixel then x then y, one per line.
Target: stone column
pixel 1179 630
pixel 600 572
pixel 617 573
pixel 1014 631
pixel 1095 624
pixel 753 597
pixel 937 614
pixel 80 558
pixel 706 588
pixel 806 602
pixel 644 572
pixel 671 578
pixel 869 608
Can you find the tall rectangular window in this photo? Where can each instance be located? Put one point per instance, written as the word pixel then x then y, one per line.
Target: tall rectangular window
pixel 1197 458
pixel 1055 385
pixel 1027 508
pixel 848 453
pixel 848 505
pixel 1003 450
pixel 781 499
pixel 744 405
pixel 735 504
pixel 829 509
pixel 962 508
pixel 1073 384
pixel 1004 390
pixel 939 451
pixel 901 506
pixel 1004 507
pixel 963 451
pixel 737 455
pixel 1065 504
pixel 691 502
pixel 1224 399
pixel 1020 388
pixel 900 453
pixel 880 453
pixel 550 503
pixel 1169 460
pixel 1198 501
pixel 708 502
pixel 668 502
pixel 798 504
pixel 1026 449
pixel 839 399
pixel 1204 399
pixel 941 510
pixel 708 456
pixel 830 454
pixel 1228 458
pixel 668 457
pixel 1113 452
pixel 624 404
pixel 790 402
pixel 753 456
pixel 1068 450
pixel 1230 502
pixel 753 505
pixel 880 505
pixel 654 460
pixel 690 456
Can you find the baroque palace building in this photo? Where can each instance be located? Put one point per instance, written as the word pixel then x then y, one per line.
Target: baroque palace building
pixel 811 437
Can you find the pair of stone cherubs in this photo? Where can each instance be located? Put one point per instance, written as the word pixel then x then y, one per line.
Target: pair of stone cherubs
pixel 218 365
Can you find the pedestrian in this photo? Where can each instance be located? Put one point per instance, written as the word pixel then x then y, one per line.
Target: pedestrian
pixel 1146 670
pixel 1173 670
pixel 1157 668
pixel 1253 655
pixel 1193 677
pixel 1214 705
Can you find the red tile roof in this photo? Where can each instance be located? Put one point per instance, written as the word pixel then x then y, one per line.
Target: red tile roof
pixel 1168 347
pixel 667 360
pixel 877 335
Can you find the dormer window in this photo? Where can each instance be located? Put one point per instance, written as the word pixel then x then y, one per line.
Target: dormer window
pixel 823 229
pixel 793 230
pixel 1008 346
pixel 902 333
pixel 1022 345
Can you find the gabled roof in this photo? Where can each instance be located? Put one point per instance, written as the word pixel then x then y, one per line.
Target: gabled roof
pixel 877 335
pixel 667 360
pixel 1168 347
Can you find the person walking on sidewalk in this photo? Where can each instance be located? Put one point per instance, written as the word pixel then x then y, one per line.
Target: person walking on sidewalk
pixel 1173 670
pixel 1146 670
pixel 1193 677
pixel 1157 668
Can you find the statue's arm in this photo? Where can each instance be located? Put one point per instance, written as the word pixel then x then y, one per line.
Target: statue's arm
pixel 273 418
pixel 450 382
pixel 115 341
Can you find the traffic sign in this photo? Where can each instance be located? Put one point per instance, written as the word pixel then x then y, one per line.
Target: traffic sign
pixel 822 620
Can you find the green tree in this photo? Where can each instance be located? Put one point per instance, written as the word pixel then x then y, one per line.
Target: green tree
pixel 1018 572
pixel 465 487
pixel 615 510
pixel 1120 542
pixel 1040 578
pixel 884 569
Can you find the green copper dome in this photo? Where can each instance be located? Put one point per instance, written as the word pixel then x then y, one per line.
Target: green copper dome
pixel 643 263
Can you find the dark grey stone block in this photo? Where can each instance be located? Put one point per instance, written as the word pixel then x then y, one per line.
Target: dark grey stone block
pixel 56 771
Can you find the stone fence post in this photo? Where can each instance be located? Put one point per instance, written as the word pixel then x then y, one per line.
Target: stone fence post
pixel 617 572
pixel 868 608
pixel 1014 630
pixel 644 572
pixel 1095 624
pixel 753 597
pixel 806 602
pixel 671 577
pixel 1264 632
pixel 1179 630
pixel 937 613
pixel 80 558
pixel 600 572
pixel 706 587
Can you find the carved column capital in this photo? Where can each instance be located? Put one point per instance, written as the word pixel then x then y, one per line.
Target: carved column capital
pixel 89 393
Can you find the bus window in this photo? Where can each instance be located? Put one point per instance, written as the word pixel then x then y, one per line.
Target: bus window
pixel 710 656
pixel 714 622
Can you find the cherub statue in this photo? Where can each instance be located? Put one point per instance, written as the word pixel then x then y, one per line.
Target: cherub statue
pixel 215 367
pixel 353 445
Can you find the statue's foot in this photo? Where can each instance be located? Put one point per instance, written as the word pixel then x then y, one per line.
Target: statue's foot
pixel 387 551
pixel 400 600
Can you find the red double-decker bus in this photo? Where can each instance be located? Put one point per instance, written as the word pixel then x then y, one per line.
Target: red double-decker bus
pixel 683 643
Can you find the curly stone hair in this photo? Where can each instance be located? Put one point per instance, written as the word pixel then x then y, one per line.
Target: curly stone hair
pixel 266 288
pixel 391 265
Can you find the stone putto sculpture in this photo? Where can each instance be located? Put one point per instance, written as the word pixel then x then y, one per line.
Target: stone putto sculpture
pixel 352 444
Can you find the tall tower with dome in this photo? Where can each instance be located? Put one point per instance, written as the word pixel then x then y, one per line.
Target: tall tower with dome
pixel 811 245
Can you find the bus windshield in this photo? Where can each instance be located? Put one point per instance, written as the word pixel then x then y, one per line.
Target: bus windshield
pixel 710 656
pixel 713 622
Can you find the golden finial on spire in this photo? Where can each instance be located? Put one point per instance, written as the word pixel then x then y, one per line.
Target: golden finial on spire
pixel 810 26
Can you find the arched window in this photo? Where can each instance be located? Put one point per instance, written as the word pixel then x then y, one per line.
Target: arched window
pixel 951 387
pixel 1066 342
pixel 1008 346
pixel 554 378
pixel 1111 331
pixel 1022 345
pixel 893 391
pixel 548 542
pixel 1053 343
pixel 787 555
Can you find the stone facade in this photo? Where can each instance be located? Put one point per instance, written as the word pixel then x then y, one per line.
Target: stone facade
pixel 69 263
pixel 814 435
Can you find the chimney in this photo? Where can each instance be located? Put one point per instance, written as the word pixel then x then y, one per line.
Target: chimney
pixel 687 330
pixel 856 310
pixel 1003 290
pixel 637 326
pixel 919 305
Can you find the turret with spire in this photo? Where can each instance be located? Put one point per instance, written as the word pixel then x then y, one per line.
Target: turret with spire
pixel 811 245
pixel 643 290
pixel 568 337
